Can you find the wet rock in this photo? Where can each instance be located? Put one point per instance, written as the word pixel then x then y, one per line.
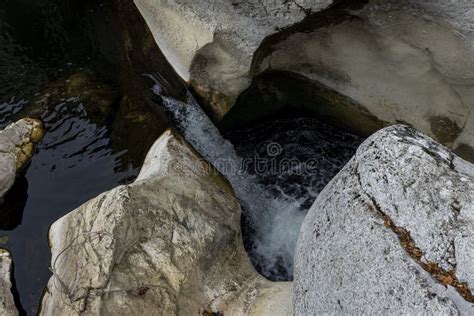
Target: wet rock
pixel 138 57
pixel 16 147
pixel 392 233
pixel 135 55
pixel 211 45
pixel 97 97
pixel 7 304
pixel 169 243
pixel 102 49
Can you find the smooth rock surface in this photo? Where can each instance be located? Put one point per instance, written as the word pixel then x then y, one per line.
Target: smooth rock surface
pixel 16 148
pixel 409 61
pixel 168 244
pixel 7 304
pixel 211 43
pixel 402 61
pixel 353 255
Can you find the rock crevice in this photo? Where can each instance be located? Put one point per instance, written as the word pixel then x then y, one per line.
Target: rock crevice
pixel 446 278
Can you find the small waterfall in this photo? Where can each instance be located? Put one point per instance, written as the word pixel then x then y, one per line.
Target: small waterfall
pixel 275 222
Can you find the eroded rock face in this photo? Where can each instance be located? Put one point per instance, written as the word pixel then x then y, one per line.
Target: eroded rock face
pixel 167 244
pixel 393 232
pixel 403 61
pixel 16 148
pixel 7 304
pixel 211 43
pixel 409 61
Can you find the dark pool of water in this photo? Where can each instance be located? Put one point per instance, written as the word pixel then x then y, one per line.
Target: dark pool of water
pixel 303 155
pixel 79 156
pixel 73 163
pixel 293 159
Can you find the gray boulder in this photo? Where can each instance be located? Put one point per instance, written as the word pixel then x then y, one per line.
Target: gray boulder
pixel 16 148
pixel 168 244
pixel 392 233
pixel 7 304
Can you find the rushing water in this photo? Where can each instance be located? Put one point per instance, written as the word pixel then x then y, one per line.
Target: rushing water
pixel 292 160
pixel 276 170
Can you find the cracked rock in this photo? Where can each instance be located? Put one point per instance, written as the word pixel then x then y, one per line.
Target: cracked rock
pixel 16 148
pixel 393 232
pixel 168 244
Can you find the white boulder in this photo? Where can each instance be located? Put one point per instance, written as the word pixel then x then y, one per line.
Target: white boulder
pixel 383 61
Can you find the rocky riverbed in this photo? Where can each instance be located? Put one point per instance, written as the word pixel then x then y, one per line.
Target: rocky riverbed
pixel 236 158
